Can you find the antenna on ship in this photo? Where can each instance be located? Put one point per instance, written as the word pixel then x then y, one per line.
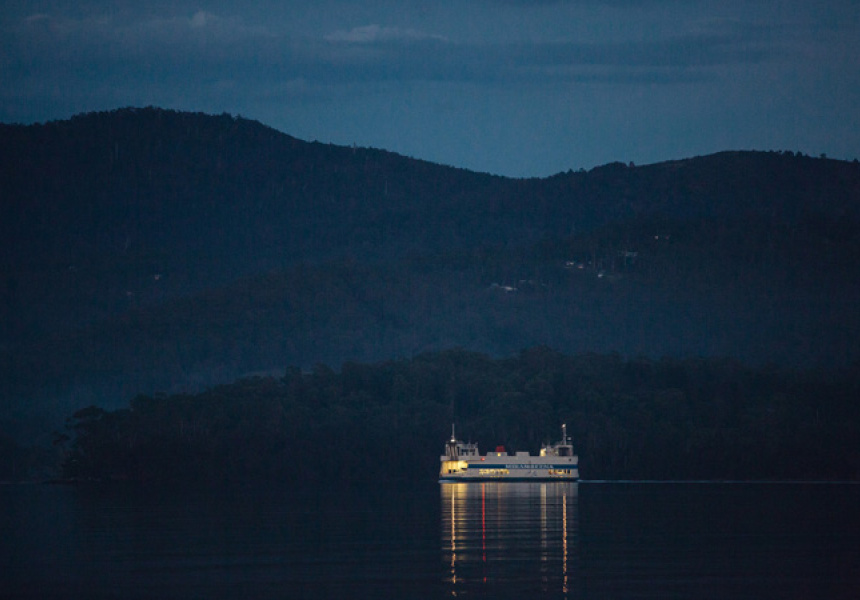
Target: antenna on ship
pixel 453 437
pixel 564 433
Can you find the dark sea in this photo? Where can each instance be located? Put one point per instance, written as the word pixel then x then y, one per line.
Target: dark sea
pixel 430 540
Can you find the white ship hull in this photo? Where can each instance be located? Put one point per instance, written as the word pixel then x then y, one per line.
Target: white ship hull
pixel 514 472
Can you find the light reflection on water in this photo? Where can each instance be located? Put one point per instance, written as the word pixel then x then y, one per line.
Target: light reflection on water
pixel 507 538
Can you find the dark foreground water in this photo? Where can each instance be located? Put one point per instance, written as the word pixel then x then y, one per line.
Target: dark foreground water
pixel 514 540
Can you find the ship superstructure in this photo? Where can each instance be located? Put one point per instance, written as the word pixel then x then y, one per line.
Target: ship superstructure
pixel 463 462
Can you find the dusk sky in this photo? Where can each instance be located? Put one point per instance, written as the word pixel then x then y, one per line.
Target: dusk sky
pixel 513 87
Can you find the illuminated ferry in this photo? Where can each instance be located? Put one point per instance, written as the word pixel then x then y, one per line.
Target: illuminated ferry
pixel 462 462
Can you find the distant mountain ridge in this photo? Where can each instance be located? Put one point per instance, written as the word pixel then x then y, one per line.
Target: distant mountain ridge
pixel 153 174
pixel 181 249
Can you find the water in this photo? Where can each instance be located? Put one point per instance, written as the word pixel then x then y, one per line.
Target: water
pixel 490 540
pixel 513 539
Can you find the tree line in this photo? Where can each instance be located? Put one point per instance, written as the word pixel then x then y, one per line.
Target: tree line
pixel 630 419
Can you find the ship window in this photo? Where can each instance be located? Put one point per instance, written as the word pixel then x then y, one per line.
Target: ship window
pixel 564 451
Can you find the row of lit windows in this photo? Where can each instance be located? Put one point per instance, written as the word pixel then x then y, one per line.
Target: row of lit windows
pixel 492 472
pixel 453 468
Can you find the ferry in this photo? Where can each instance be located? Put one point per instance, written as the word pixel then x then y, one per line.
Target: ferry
pixel 463 462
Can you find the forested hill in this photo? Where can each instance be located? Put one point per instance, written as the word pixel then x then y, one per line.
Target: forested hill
pixel 95 207
pixel 630 419
pixel 108 210
pixel 146 250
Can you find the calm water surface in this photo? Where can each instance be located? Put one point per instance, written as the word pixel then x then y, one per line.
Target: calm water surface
pixel 490 540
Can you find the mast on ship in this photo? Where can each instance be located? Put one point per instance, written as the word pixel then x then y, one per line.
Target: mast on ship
pixel 451 446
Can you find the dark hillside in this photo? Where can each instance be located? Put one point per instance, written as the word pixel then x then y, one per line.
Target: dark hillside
pixel 111 211
pixel 630 419
pixel 144 250
pixel 713 288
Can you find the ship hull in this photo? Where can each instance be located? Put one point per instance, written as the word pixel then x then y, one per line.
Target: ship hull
pixel 449 479
pixel 512 471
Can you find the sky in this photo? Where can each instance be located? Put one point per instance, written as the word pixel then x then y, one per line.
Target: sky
pixel 522 88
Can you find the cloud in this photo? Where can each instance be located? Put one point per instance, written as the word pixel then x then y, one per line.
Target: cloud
pixel 200 19
pixel 691 57
pixel 209 36
pixel 677 52
pixel 39 29
pixel 203 52
pixel 375 33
